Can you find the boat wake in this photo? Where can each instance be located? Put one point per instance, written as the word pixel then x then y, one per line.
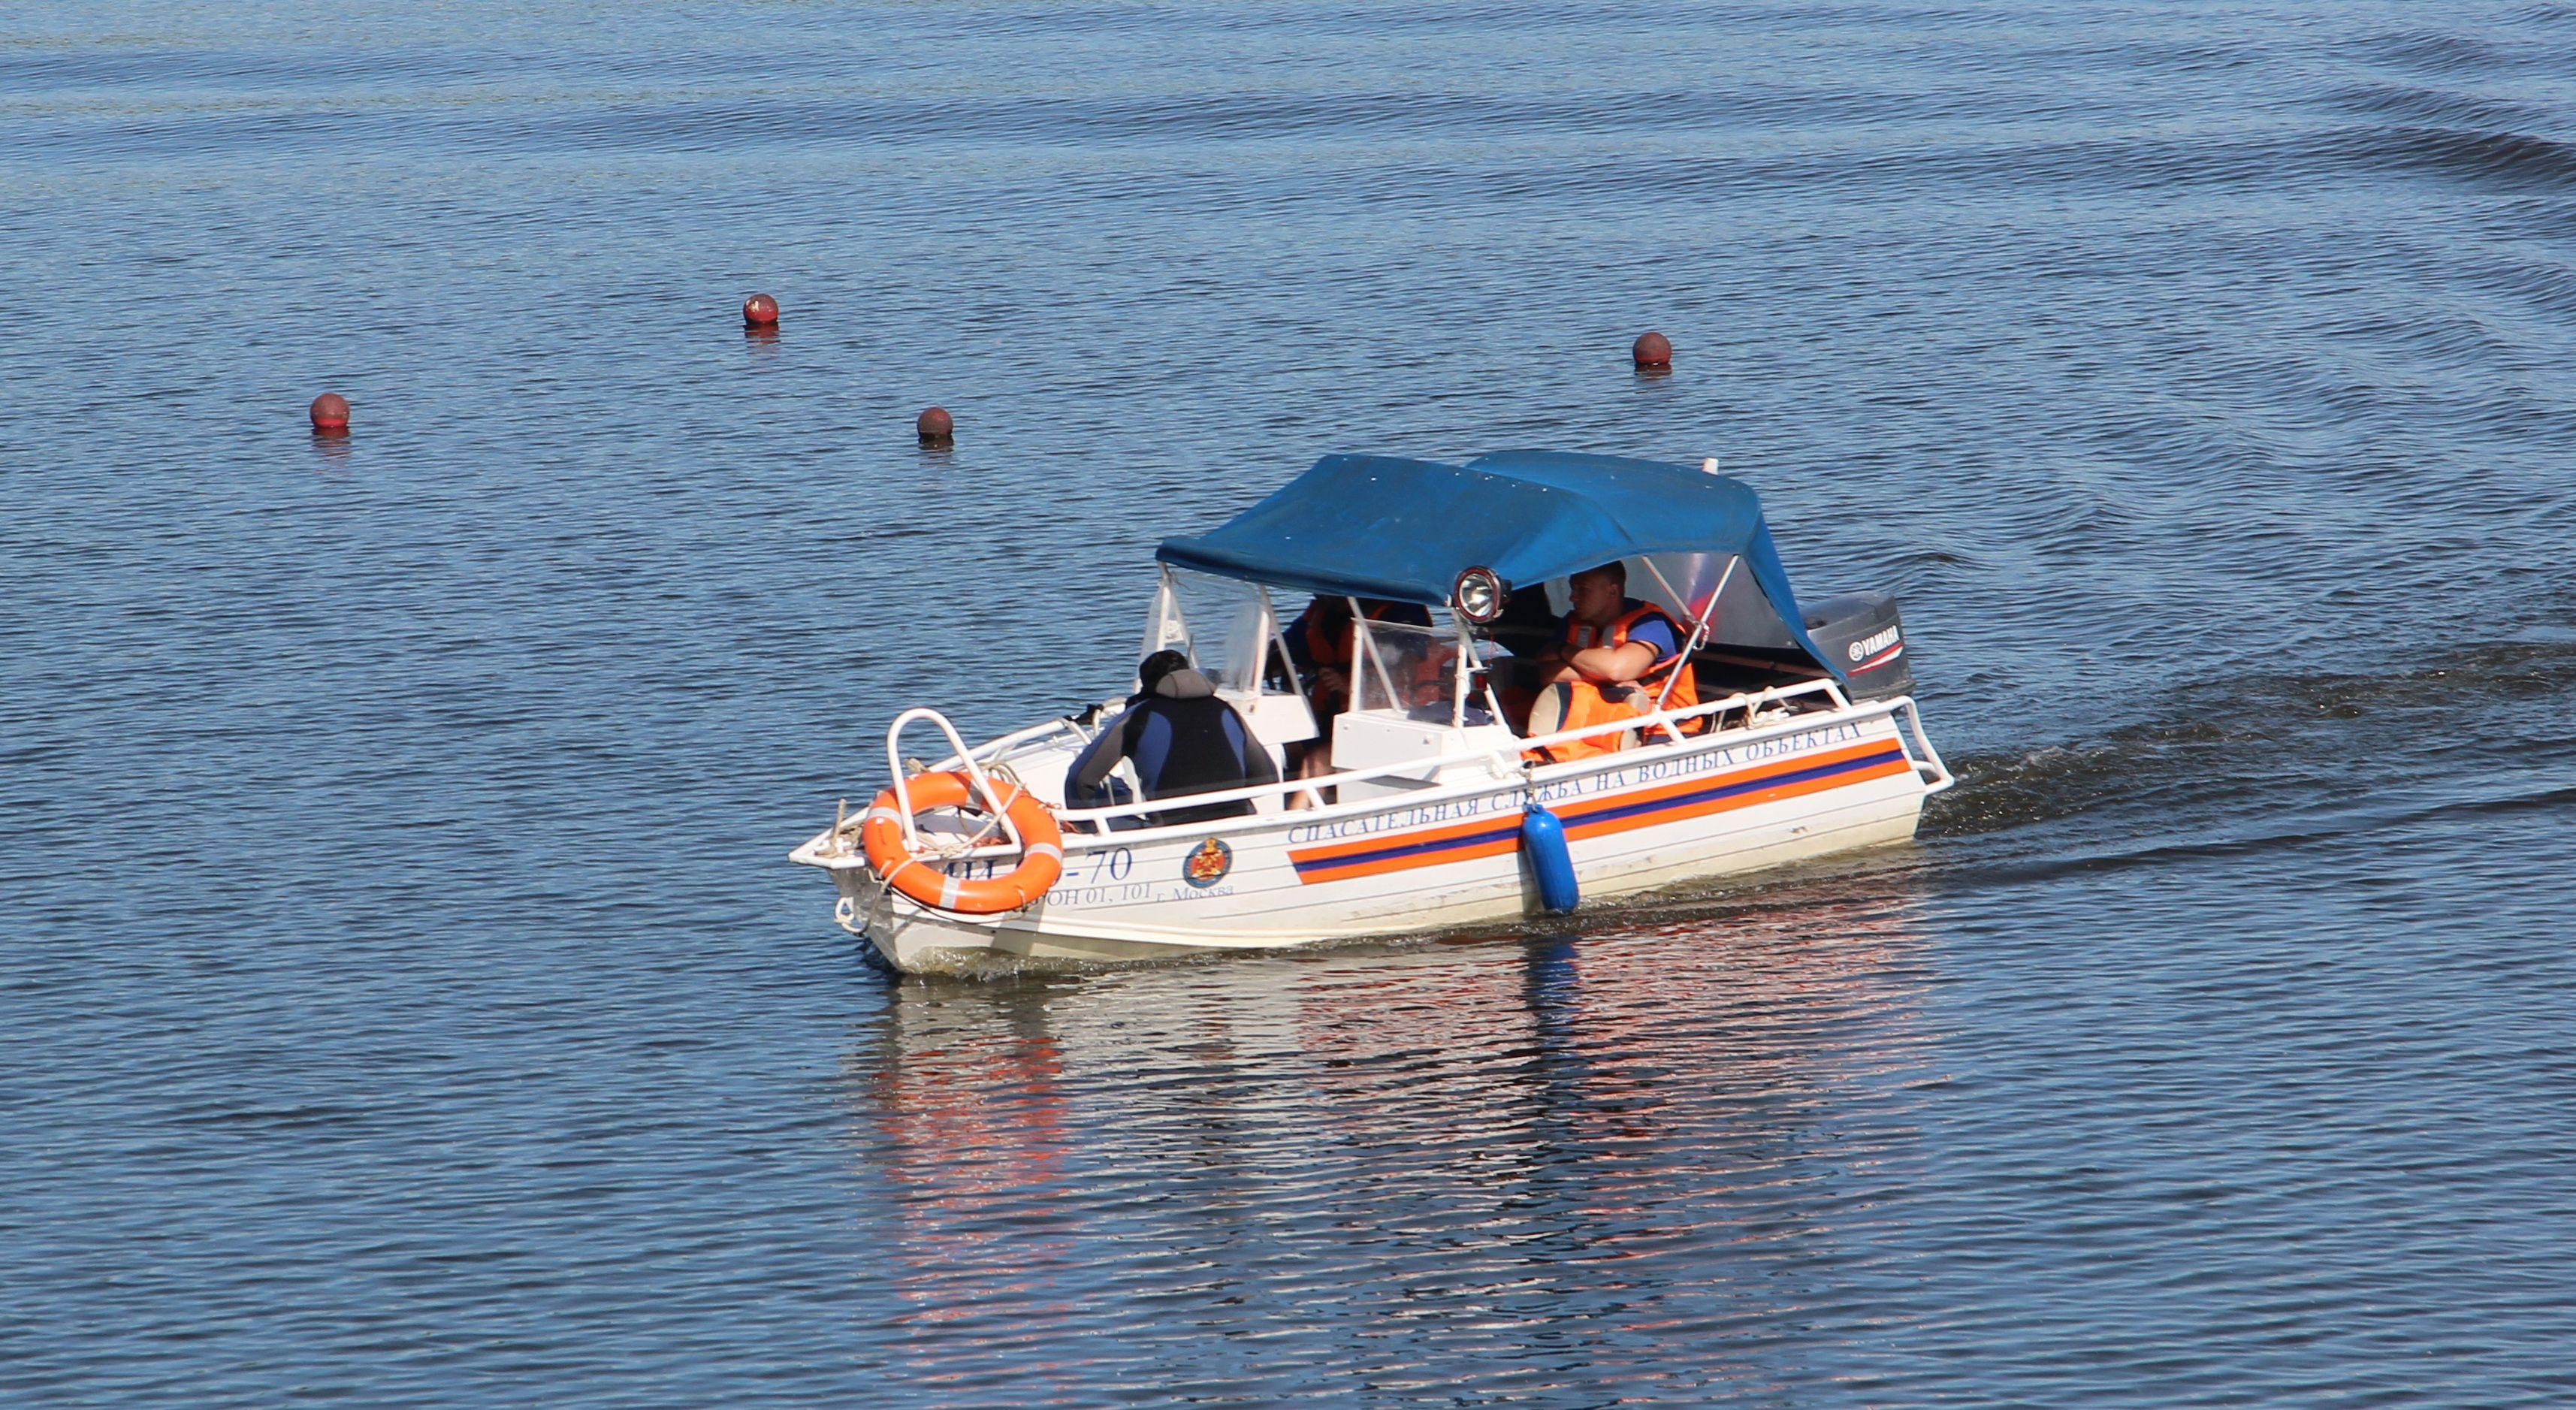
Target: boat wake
pixel 2267 763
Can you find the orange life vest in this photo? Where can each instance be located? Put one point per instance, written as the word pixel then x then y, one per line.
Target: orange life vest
pixel 1675 667
pixel 1586 705
pixel 1327 648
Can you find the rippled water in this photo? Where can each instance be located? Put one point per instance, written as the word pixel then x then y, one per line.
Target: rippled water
pixel 407 1001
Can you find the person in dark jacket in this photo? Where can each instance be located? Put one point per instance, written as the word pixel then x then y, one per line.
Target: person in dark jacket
pixel 1182 739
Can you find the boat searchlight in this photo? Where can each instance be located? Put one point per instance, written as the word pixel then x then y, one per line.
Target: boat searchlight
pixel 1478 596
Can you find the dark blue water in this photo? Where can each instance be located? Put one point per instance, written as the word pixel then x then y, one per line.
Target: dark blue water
pixel 406 999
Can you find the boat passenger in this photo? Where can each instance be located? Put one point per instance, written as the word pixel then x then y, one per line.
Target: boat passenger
pixel 1319 642
pixel 1183 740
pixel 1613 660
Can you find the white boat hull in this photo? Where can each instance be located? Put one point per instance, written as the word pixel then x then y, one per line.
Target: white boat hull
pixel 1443 855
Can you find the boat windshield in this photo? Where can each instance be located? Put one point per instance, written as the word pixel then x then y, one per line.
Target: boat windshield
pixel 1224 625
pixel 1410 670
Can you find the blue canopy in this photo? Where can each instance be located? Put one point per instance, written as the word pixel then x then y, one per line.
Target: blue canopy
pixel 1386 527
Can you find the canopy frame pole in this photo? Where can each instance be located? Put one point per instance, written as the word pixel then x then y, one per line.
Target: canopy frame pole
pixel 1364 645
pixel 1359 656
pixel 1167 615
pixel 1698 631
pixel 1663 582
pixel 1683 663
pixel 1463 671
pixel 1277 637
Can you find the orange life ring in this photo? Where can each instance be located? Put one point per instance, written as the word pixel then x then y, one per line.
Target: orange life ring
pixel 1041 857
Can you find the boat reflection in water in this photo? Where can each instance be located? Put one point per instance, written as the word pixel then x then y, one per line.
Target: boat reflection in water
pixel 1508 1166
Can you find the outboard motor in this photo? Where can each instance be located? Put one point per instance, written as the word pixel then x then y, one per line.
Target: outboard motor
pixel 1859 632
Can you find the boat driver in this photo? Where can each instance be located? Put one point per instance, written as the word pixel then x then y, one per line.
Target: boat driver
pixel 1319 645
pixel 1612 661
pixel 1319 642
pixel 1182 739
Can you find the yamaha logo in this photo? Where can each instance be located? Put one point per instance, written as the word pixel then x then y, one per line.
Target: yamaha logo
pixel 1872 645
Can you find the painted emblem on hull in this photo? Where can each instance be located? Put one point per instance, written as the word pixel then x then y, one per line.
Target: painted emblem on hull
pixel 1207 863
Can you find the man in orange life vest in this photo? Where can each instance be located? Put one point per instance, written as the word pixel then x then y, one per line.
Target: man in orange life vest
pixel 1615 657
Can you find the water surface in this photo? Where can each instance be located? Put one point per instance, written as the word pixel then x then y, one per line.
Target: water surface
pixel 408 1001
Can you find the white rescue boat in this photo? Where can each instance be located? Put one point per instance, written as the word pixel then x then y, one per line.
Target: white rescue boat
pixel 1434 812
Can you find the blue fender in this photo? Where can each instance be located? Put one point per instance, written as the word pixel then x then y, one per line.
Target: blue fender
pixel 1543 847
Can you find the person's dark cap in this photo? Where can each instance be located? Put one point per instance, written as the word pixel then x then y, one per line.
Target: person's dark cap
pixel 1151 670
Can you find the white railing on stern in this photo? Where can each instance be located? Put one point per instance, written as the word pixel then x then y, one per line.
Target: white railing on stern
pixel 1940 777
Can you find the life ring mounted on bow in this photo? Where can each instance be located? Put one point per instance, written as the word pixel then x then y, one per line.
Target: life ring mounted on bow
pixel 1041 854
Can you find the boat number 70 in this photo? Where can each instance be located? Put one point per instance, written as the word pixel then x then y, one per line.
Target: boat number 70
pixel 1114 863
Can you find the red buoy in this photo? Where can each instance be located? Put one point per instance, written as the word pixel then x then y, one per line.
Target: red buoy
pixel 1654 350
pixel 760 311
pixel 330 412
pixel 936 426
